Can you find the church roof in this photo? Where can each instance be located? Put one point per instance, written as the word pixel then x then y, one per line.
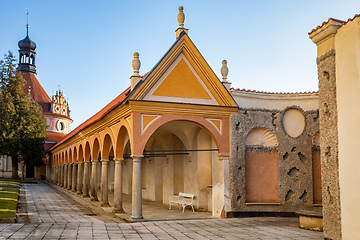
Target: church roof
pixel 37 91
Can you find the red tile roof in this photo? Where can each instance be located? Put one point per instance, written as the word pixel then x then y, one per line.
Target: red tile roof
pixel 53 137
pixel 37 91
pixel 343 22
pixel 263 92
pixel 318 27
pixel 98 116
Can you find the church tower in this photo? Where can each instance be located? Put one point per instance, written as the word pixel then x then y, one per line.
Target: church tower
pixel 56 110
pixel 27 54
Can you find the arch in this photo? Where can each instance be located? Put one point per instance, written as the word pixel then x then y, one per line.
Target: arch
pixel 70 156
pixel 107 144
pixel 87 152
pixel 261 137
pixel 221 140
pixel 66 155
pixel 119 146
pixel 261 166
pixel 32 59
pixel 75 154
pixel 95 149
pixel 27 58
pixel 81 153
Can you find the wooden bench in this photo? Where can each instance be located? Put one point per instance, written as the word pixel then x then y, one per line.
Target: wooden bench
pixel 184 199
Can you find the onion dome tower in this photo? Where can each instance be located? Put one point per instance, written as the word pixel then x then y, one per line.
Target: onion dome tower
pixel 56 110
pixel 27 54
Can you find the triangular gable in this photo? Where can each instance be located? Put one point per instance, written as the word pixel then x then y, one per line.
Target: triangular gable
pixel 183 75
pixel 181 83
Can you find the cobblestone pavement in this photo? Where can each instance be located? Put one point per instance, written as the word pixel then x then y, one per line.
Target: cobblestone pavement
pixel 53 216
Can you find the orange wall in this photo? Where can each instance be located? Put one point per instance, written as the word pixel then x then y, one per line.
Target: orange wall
pixel 262 176
pixel 317 177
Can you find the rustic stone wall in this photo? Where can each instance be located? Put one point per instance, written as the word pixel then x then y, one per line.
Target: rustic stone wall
pixel 329 146
pixel 295 160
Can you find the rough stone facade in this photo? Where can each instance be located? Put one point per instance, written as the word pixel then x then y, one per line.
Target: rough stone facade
pixel 329 146
pixel 294 160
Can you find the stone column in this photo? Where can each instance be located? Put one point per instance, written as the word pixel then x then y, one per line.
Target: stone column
pixel 104 183
pixel 80 177
pixel 224 157
pixel 69 176
pixel 73 183
pixel 220 191
pixel 85 189
pixel 53 174
pixel 136 189
pixel 65 175
pixel 118 186
pixel 94 180
pixel 48 173
pixel 56 178
pixel 59 176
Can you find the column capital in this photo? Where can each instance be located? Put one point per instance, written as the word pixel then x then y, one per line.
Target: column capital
pixel 104 161
pixel 118 160
pixel 137 156
pixel 223 156
pixel 94 162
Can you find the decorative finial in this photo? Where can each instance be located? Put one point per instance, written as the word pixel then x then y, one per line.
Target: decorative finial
pixel 136 64
pixel 224 70
pixel 181 17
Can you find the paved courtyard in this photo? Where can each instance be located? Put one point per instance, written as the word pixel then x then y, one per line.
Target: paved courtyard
pixel 53 215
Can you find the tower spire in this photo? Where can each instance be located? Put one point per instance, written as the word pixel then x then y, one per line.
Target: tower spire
pixel 27 22
pixel 27 51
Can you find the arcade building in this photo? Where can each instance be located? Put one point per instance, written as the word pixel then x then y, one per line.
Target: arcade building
pixel 179 128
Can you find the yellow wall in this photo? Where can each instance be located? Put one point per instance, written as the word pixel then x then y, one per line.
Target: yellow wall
pixel 347 46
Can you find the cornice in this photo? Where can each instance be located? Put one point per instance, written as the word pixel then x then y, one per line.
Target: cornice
pixel 110 119
pixel 181 108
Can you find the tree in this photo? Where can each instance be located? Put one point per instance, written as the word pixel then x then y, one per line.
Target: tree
pixel 22 124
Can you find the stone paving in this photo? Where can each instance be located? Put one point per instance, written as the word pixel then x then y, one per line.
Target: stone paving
pixel 55 216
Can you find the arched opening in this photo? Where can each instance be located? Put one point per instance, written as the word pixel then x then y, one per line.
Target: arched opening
pixel 180 156
pixel 261 166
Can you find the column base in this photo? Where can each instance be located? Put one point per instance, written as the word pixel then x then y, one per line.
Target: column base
pixel 116 210
pixel 68 188
pixel 73 190
pixel 79 192
pixel 85 196
pixel 137 219
pixel 93 199
pixel 104 204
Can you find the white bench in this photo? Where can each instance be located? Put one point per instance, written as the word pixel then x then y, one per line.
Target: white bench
pixel 184 199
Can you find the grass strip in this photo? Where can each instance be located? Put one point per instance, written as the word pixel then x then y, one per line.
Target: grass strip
pixel 8 198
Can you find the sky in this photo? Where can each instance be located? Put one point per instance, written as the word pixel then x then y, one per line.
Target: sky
pixel 87 47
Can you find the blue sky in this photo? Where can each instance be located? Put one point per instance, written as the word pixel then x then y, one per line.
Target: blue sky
pixel 87 47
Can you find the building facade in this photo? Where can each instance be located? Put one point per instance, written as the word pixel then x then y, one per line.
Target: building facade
pixel 178 128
